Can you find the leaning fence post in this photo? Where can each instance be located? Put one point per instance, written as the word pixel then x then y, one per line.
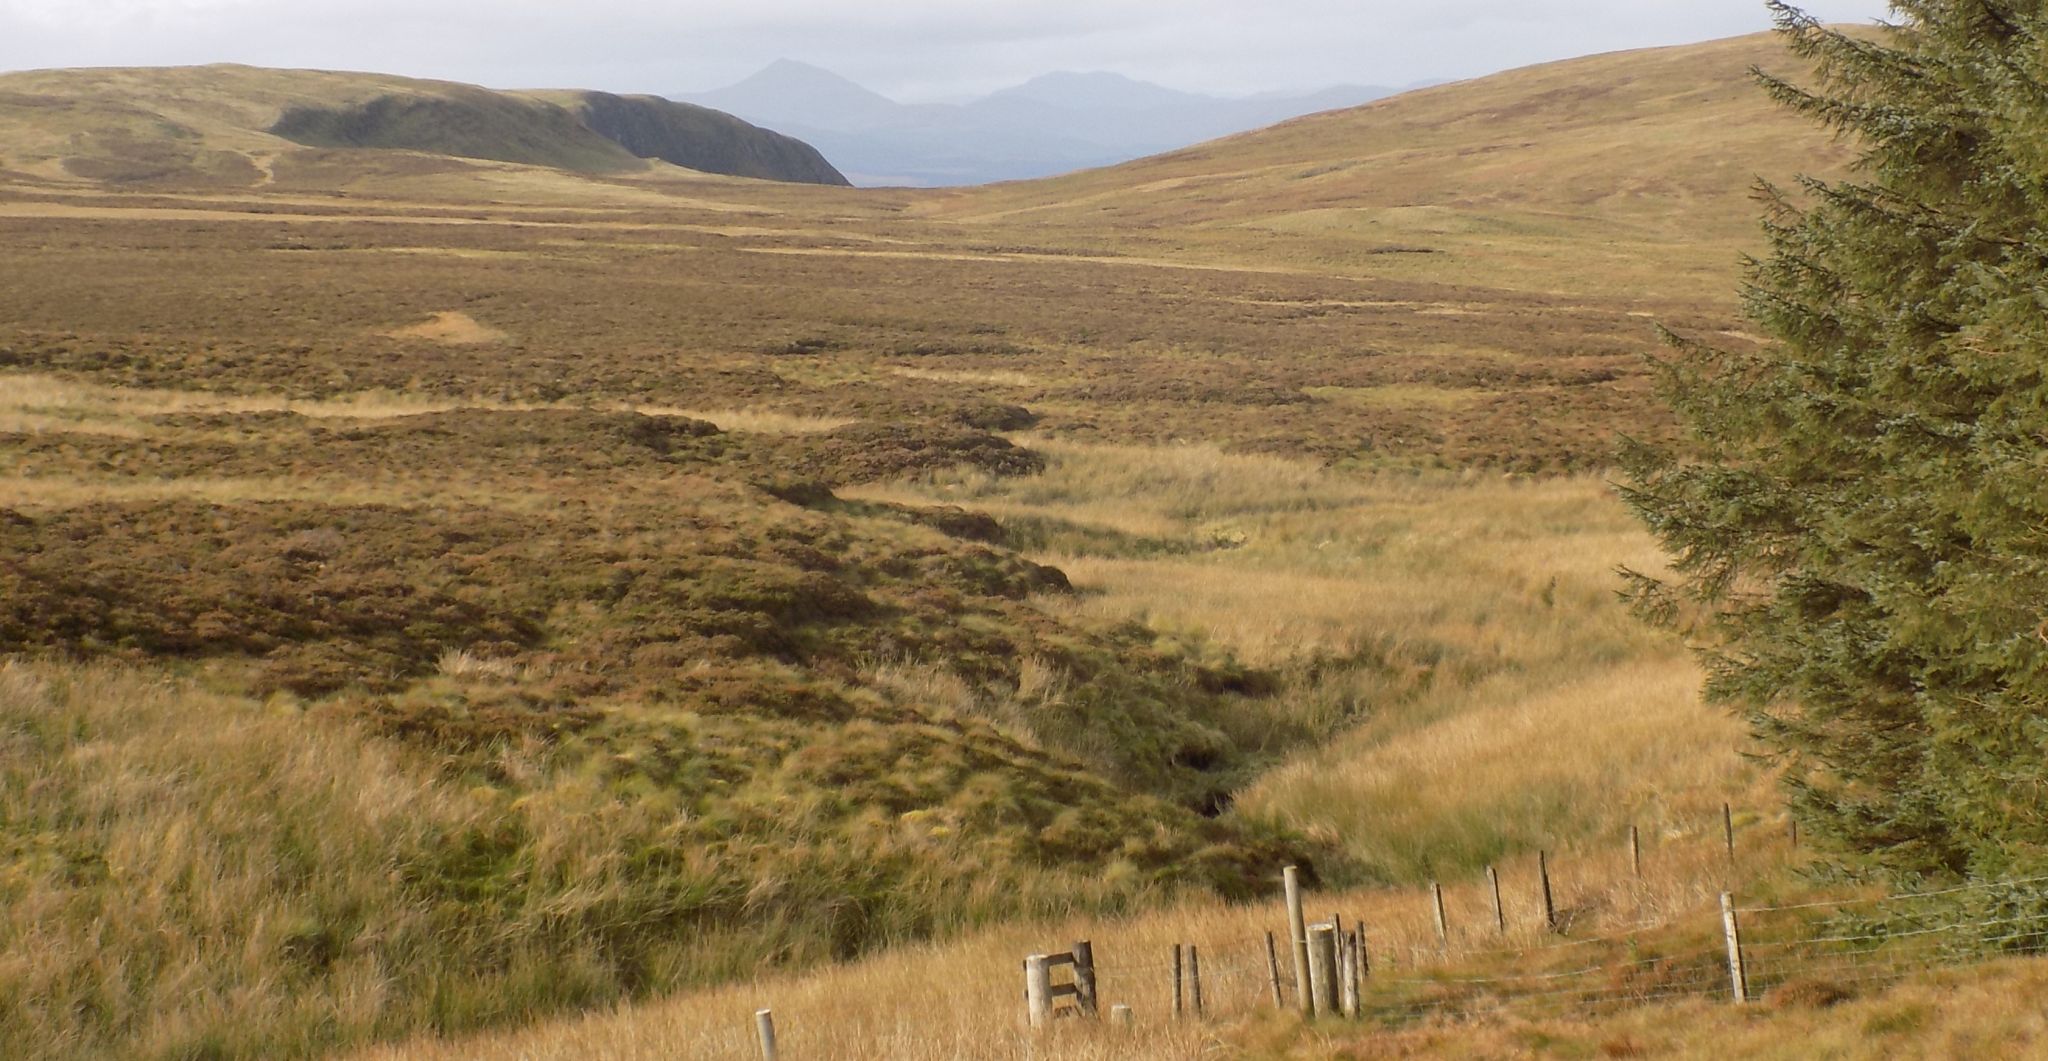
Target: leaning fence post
pixel 1738 976
pixel 1273 971
pixel 1195 979
pixel 1038 990
pixel 1500 915
pixel 1443 925
pixel 1549 905
pixel 1728 830
pixel 764 1024
pixel 1297 927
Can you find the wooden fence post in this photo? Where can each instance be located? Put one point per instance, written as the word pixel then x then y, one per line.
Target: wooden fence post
pixel 1635 851
pixel 1443 925
pixel 1273 971
pixel 1179 1010
pixel 1728 830
pixel 1364 955
pixel 1792 829
pixel 1349 945
pixel 1322 969
pixel 1297 928
pixel 1195 979
pixel 764 1025
pixel 1500 914
pixel 1738 976
pixel 1084 980
pixel 1038 990
pixel 1549 905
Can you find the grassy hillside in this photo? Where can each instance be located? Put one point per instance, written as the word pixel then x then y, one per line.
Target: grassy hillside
pixel 496 590
pixel 697 138
pixel 1624 171
pixel 231 126
pixel 466 123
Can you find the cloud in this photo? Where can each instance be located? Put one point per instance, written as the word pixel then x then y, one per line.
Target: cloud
pixel 931 47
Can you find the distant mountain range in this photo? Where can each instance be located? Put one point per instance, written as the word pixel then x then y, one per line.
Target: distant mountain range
pixel 1052 124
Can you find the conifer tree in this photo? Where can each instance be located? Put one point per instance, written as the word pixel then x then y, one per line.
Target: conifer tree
pixel 1860 523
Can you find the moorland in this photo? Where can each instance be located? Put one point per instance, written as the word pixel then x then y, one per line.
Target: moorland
pixel 445 594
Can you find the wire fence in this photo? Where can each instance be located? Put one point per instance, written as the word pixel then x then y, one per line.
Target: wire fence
pixel 1515 956
pixel 1829 949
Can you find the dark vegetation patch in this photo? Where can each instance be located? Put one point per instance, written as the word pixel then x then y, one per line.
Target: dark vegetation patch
pixel 866 452
pixel 464 122
pixel 701 139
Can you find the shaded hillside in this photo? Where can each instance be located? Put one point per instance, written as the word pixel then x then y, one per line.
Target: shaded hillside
pixel 231 127
pixel 700 138
pixel 466 123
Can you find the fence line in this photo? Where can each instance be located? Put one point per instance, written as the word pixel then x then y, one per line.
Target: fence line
pixel 1417 964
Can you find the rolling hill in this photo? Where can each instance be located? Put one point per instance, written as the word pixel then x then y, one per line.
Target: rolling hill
pixel 1573 175
pixel 232 126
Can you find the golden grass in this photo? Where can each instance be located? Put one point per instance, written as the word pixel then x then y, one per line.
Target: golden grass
pixel 451 327
pixel 961 1000
pixel 31 403
pixel 1524 707
pixel 754 421
pixel 994 377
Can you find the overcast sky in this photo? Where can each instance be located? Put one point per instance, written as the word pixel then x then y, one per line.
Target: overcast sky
pixel 909 49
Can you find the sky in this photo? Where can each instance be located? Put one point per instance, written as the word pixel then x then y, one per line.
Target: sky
pixel 911 50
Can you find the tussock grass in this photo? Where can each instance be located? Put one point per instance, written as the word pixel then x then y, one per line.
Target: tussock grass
pixel 961 999
pixel 1461 629
pixel 755 421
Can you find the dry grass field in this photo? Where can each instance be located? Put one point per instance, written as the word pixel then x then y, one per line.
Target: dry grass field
pixel 443 596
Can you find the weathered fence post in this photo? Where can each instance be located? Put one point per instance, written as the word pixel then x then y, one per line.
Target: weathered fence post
pixel 1635 851
pixel 1179 1010
pixel 1040 993
pixel 1084 980
pixel 1364 955
pixel 764 1025
pixel 1038 990
pixel 1738 976
pixel 1500 914
pixel 1195 979
pixel 1349 947
pixel 1728 830
pixel 1322 969
pixel 1273 971
pixel 1443 925
pixel 1297 927
pixel 1549 905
